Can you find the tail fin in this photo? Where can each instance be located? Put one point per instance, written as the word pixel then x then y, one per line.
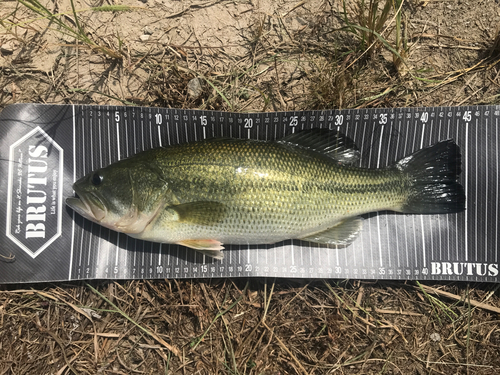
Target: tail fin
pixel 433 174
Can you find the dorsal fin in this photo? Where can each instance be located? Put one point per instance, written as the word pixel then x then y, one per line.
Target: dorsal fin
pixel 328 142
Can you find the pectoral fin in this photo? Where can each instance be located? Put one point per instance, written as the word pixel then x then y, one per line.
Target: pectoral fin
pixel 201 213
pixel 212 248
pixel 342 234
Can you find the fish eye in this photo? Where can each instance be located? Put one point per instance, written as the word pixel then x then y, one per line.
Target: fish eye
pixel 96 179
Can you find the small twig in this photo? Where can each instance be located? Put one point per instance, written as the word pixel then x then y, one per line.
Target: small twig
pixel 378 311
pixel 298 5
pixel 291 300
pixel 122 313
pixel 268 302
pixel 303 370
pixel 458 46
pixel 221 314
pixel 459 298
pixel 205 4
pixel 355 315
pixel 61 345
pixel 435 36
pixel 8 258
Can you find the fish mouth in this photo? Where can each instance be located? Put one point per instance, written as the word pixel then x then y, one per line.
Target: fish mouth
pixel 87 205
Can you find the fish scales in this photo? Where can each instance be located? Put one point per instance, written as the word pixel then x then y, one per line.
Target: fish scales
pixel 271 190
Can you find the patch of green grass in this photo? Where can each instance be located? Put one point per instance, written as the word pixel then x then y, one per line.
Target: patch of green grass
pixel 369 21
pixel 369 26
pixel 167 365
pixel 438 306
pixel 366 20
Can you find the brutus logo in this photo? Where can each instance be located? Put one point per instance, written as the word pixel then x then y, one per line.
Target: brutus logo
pixel 34 201
pixel 463 268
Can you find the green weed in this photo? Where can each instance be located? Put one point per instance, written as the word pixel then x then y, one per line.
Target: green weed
pixel 369 21
pixel 438 306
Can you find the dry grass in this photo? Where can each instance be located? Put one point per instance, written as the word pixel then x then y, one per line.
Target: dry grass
pixel 250 327
pixel 303 55
pixel 309 55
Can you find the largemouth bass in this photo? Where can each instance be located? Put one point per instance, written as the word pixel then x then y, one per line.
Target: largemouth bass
pixel 238 191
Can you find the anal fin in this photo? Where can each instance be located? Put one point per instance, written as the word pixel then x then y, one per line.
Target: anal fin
pixel 211 248
pixel 342 234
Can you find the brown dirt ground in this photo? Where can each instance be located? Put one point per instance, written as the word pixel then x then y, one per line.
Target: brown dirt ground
pixel 253 55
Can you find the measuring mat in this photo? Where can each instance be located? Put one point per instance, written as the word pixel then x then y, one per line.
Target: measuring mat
pixel 45 148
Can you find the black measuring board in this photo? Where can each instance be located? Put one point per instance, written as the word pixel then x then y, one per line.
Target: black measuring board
pixel 44 148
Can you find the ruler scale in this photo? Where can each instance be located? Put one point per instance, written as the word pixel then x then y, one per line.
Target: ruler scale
pixel 76 139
